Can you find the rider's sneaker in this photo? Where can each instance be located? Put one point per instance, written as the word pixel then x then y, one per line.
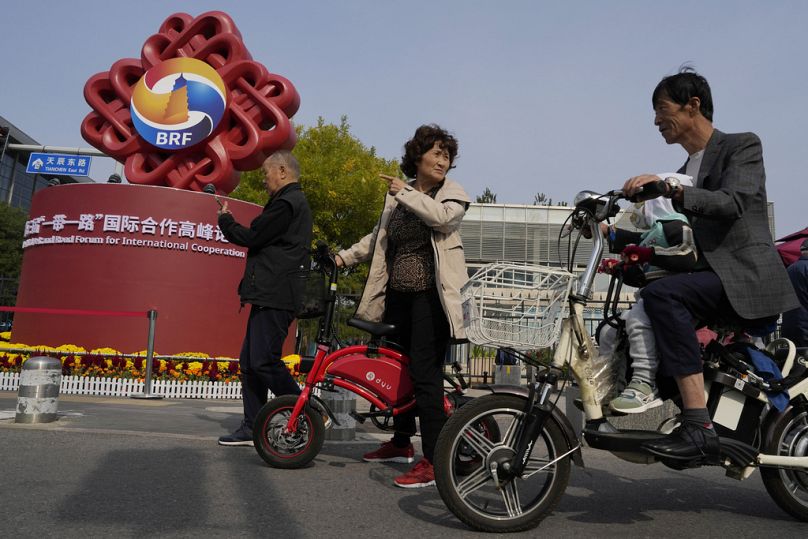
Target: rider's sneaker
pixel 242 436
pixel 388 452
pixel 421 475
pixel 637 397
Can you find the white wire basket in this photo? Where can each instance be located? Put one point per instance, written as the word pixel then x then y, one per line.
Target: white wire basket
pixel 515 305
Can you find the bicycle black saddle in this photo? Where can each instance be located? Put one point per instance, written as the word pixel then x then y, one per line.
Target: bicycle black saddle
pixel 377 329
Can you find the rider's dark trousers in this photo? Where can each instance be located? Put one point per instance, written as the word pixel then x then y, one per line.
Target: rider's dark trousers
pixel 260 360
pixel 675 305
pixel 423 332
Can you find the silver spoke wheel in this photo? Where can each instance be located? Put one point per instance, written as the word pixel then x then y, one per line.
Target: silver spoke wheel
pixel 536 465
pixel 789 487
pixel 487 497
pixel 477 479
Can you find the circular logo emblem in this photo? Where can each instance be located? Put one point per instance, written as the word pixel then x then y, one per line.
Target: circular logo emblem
pixel 370 376
pixel 178 103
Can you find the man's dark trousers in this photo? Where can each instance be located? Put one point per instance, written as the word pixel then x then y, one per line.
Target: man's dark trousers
pixel 260 360
pixel 675 305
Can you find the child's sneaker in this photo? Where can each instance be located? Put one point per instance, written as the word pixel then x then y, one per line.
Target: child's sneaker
pixel 388 452
pixel 637 397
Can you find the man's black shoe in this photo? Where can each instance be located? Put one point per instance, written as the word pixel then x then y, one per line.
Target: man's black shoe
pixel 242 436
pixel 687 442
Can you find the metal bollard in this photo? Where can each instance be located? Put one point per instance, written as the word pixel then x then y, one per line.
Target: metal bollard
pixel 147 379
pixel 38 395
pixel 341 402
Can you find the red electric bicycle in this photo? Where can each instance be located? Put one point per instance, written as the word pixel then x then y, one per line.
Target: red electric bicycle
pixel 289 430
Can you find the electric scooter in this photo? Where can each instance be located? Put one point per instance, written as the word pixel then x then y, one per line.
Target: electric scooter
pixel 520 476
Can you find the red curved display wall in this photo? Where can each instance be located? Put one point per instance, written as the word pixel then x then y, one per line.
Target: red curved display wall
pixel 121 247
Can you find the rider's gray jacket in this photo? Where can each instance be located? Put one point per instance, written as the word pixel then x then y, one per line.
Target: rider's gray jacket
pixel 730 221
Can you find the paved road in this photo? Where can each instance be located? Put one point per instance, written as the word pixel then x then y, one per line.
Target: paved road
pixel 116 467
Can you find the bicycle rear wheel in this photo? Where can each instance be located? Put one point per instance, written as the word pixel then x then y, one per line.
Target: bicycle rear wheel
pixel 472 494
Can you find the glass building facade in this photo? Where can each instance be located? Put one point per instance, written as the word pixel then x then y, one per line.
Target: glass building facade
pixel 17 187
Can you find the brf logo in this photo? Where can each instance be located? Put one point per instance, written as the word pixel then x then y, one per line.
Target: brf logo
pixel 178 103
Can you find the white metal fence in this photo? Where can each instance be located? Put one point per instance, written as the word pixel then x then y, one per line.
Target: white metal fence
pixel 123 387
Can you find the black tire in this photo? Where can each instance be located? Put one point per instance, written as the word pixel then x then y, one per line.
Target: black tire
pixel 282 450
pixel 788 488
pixel 473 497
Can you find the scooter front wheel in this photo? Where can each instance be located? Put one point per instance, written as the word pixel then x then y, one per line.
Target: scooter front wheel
pixel 282 449
pixel 485 498
pixel 789 487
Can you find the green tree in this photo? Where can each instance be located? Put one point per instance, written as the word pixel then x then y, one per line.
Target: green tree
pixel 488 197
pixel 540 199
pixel 340 177
pixel 12 226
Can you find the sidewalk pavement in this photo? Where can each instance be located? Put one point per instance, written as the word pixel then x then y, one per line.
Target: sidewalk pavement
pixel 206 420
pixel 121 467
pixel 197 419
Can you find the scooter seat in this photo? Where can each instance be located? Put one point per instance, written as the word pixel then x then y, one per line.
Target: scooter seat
pixel 377 329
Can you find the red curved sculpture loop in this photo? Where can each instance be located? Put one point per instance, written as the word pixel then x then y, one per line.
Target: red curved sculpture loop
pixel 256 121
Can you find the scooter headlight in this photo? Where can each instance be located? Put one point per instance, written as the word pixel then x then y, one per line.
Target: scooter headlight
pixel 587 199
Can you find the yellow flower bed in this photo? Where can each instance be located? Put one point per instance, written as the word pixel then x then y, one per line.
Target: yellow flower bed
pixel 109 363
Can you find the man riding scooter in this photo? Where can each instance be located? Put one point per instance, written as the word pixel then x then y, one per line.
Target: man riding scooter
pixel 743 282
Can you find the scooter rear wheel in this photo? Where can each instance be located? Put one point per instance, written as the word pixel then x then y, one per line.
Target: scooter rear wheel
pixel 281 449
pixel 789 487
pixel 472 495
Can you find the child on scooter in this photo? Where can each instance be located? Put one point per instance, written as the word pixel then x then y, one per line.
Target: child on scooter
pixel 664 244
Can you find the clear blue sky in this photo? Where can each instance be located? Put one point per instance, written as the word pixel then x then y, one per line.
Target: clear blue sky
pixel 548 97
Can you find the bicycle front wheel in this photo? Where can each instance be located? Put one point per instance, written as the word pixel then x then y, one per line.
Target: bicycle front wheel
pixel 473 495
pixel 282 449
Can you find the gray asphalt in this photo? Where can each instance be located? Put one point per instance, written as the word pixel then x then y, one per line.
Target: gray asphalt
pixel 118 467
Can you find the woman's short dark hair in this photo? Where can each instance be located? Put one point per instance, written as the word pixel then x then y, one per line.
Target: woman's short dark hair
pixel 680 87
pixel 424 139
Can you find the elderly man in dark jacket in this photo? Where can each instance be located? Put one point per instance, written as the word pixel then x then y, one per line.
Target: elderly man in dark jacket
pixel 278 243
pixel 741 279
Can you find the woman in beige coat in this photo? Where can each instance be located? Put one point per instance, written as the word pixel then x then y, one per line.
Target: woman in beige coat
pixel 416 272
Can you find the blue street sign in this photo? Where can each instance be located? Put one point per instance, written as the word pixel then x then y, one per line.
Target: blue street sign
pixel 59 164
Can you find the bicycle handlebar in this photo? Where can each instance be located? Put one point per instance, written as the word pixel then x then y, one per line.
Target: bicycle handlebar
pixel 321 254
pixel 590 210
pixel 601 207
